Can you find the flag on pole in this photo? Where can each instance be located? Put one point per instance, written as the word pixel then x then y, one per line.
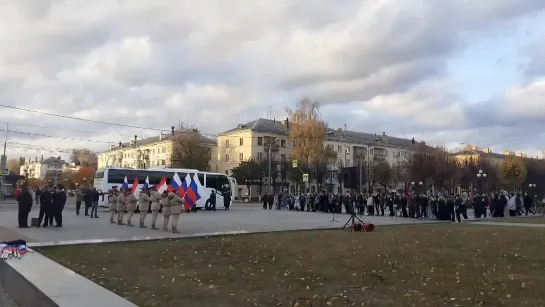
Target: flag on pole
pixel 193 192
pixel 134 187
pixel 146 184
pixel 175 183
pixel 125 184
pixel 162 186
pixel 185 186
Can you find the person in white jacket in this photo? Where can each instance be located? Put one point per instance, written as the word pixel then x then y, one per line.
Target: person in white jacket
pixel 512 205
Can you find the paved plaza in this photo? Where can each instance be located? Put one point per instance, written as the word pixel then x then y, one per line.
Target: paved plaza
pixel 242 218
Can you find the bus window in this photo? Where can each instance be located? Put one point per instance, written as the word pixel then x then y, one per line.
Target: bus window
pixel 222 183
pixel 211 181
pixel 117 176
pixel 201 177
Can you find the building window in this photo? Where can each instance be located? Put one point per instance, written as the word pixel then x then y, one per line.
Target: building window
pixel 241 156
pixel 347 163
pixel 283 143
pixel 226 172
pixel 164 149
pixel 259 156
pixel 241 141
pixel 226 158
pixel 226 143
pixel 260 141
pixel 163 162
pixel 339 148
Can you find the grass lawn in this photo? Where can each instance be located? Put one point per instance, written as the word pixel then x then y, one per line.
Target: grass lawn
pixel 420 265
pixel 527 220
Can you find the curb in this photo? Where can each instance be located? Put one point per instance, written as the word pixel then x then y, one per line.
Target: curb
pixel 35 280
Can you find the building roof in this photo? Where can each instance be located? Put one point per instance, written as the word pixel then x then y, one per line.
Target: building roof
pixel 157 139
pixel 336 135
pixel 261 125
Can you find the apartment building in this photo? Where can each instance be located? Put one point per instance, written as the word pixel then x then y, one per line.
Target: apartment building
pixel 153 152
pixel 48 169
pixel 254 139
pixel 474 154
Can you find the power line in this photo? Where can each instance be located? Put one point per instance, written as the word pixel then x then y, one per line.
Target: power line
pixel 78 118
pixel 60 129
pixel 57 137
pixel 38 147
pixel 98 121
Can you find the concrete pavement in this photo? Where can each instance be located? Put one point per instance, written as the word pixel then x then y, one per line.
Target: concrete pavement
pixel 244 219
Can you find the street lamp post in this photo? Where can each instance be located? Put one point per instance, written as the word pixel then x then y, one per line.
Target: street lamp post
pixel 417 186
pixel 270 162
pixel 480 175
pixel 533 186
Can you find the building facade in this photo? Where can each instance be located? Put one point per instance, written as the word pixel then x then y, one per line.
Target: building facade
pixel 154 152
pixel 49 169
pixel 253 140
pixel 473 154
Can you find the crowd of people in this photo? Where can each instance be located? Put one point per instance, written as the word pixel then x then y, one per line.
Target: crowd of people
pixel 447 207
pixel 51 199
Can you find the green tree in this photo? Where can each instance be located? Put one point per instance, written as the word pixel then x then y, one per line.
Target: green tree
pixel 513 171
pixel 247 173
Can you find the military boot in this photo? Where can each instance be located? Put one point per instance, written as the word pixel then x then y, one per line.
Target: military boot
pixel 174 229
pixel 120 222
pixel 153 227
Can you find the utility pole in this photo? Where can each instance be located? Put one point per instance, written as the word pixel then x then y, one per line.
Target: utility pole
pixel 271 142
pixel 3 164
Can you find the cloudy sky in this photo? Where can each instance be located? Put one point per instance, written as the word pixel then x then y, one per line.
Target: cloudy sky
pixel 448 72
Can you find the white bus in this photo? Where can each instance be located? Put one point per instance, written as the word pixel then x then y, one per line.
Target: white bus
pixel 105 179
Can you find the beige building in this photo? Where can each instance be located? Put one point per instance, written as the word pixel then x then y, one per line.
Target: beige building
pixel 154 152
pixel 253 140
pixel 48 169
pixel 474 154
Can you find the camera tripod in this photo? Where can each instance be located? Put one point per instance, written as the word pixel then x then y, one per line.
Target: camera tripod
pixel 352 219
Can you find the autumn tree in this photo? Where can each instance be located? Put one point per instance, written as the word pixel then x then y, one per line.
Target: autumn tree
pixel 307 132
pixel 14 166
pixel 84 157
pixel 247 173
pixel 84 176
pixel 383 174
pixel 189 150
pixel 513 171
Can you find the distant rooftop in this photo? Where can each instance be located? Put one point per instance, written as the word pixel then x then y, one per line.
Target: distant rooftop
pixel 164 137
pixel 473 150
pixel 339 135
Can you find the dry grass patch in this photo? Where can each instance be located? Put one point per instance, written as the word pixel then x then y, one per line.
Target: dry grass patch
pixel 422 265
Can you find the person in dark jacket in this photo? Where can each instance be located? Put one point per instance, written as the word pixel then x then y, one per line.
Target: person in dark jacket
pixel 37 194
pixel 46 208
pixel 226 200
pixel 265 200
pixel 404 202
pixel 210 204
pixel 271 201
pixel 88 200
pixel 528 202
pixel 59 200
pixel 25 205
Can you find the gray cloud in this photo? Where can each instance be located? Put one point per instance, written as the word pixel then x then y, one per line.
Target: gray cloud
pixel 215 64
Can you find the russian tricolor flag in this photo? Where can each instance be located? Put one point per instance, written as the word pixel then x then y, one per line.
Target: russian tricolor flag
pixel 193 191
pixel 146 184
pixel 125 184
pixel 175 183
